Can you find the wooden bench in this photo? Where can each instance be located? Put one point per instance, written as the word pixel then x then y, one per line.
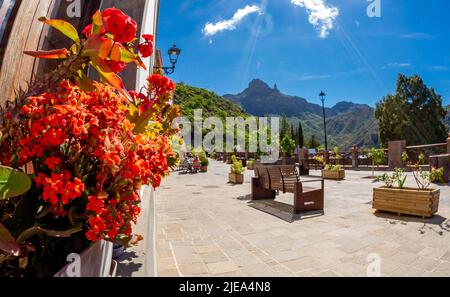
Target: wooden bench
pixel 284 178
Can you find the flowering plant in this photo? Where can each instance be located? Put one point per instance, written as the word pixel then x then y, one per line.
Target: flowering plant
pixel 236 167
pixel 88 148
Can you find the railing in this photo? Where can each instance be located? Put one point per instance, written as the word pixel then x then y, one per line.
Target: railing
pixel 428 150
pixel 358 157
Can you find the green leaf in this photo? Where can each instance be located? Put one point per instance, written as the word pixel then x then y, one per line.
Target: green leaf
pixel 36 230
pixel 7 242
pixel 64 27
pixel 123 241
pixel 84 82
pixel 13 183
pixel 97 21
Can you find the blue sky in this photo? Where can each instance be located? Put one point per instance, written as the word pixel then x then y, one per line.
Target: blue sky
pixel 347 54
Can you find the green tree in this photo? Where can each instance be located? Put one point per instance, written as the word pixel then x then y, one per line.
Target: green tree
pixel 312 143
pixel 377 156
pixel 292 132
pixel 300 136
pixel 284 127
pixel 287 145
pixel 414 113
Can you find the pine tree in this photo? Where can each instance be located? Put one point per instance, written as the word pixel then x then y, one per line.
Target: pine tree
pixel 300 137
pixel 284 127
pixel 312 143
pixel 414 113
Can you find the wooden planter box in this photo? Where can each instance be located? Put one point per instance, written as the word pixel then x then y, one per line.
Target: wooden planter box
pixel 423 203
pixel 236 178
pixel 204 169
pixel 332 174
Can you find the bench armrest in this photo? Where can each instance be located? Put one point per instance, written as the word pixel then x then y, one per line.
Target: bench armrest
pixel 311 180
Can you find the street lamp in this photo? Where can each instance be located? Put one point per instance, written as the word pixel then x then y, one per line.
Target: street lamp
pixel 322 96
pixel 173 53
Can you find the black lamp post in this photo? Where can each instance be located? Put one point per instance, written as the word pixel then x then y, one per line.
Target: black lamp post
pixel 173 53
pixel 322 96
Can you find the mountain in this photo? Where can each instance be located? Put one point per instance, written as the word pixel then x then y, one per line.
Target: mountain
pixel 348 123
pixel 190 98
pixel 259 99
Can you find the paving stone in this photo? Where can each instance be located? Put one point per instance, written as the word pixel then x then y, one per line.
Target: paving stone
pixel 222 267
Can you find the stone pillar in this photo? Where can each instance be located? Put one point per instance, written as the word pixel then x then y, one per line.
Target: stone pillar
pixel 355 156
pixel 395 151
pixel 302 155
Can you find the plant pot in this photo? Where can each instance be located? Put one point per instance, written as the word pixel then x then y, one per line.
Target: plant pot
pixel 409 201
pixel 236 178
pixel 333 174
pixel 204 168
pixel 250 166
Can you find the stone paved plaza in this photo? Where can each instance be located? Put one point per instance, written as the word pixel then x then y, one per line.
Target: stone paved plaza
pixel 205 227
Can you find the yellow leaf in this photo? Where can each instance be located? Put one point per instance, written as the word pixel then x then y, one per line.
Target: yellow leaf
pixel 64 27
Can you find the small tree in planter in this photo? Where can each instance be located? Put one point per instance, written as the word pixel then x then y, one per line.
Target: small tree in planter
pixel 395 197
pixel 236 175
pixel 204 161
pixel 287 145
pixel 250 164
pixel 334 172
pixel 377 156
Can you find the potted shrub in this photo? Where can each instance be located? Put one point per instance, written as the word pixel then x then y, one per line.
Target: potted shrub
pixel 334 172
pixel 204 162
pixel 250 164
pixel 88 148
pixel 395 197
pixel 287 146
pixel 236 175
pixel 377 156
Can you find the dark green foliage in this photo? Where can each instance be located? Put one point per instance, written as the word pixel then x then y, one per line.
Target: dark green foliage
pixel 414 113
pixel 300 137
pixel 287 145
pixel 190 98
pixel 312 143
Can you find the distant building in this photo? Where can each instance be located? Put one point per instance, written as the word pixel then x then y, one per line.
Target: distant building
pixel 20 30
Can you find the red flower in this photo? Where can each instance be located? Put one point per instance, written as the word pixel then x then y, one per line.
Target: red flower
pixel 146 50
pixel 123 27
pixel 88 31
pixel 137 96
pixel 160 85
pixel 52 162
pixel 116 67
pixel 148 38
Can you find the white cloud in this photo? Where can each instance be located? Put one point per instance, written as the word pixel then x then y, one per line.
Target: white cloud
pixel 211 29
pixel 321 15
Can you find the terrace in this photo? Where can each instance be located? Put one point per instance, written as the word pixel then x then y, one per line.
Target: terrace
pixel 206 227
